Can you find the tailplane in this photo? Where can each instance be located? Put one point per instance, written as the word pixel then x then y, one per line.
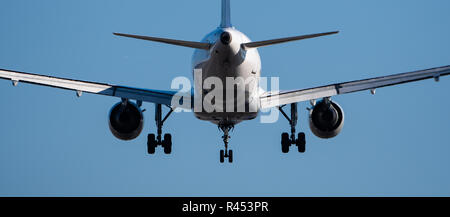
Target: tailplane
pixel 191 44
pixel 258 44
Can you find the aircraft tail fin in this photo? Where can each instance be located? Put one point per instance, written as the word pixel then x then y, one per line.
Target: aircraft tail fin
pixel 226 14
pixel 191 44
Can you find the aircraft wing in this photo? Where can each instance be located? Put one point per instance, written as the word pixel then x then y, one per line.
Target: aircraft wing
pixel 269 100
pixel 144 95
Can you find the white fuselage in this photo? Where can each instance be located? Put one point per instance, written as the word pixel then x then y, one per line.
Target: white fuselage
pixel 222 61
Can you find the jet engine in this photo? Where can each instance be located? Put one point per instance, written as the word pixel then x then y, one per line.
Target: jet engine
pixel 326 119
pixel 126 120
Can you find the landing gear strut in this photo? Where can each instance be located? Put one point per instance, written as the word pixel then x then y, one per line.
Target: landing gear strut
pixel 288 140
pixel 154 140
pixel 226 153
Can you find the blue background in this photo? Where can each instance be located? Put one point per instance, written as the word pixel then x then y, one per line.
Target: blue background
pixel 395 143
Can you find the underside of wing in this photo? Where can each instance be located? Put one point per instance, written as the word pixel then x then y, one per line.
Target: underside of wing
pixel 144 95
pixel 269 100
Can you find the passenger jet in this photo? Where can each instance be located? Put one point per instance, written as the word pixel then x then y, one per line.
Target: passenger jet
pixel 225 53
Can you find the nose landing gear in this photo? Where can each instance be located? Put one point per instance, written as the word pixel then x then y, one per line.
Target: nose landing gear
pixel 226 153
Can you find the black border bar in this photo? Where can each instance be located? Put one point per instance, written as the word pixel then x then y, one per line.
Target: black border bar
pixel 223 206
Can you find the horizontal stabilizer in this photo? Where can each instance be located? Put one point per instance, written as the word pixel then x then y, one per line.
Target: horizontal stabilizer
pixel 191 44
pixel 284 40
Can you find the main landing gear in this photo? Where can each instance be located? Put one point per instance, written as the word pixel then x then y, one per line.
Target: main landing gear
pixel 226 153
pixel 288 140
pixel 154 140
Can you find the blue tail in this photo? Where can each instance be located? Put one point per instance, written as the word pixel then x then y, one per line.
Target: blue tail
pixel 226 14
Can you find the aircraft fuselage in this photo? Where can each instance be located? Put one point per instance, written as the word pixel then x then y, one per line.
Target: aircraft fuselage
pixel 226 60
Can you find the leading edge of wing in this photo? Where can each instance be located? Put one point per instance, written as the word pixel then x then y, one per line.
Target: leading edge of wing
pixel 145 95
pixel 287 97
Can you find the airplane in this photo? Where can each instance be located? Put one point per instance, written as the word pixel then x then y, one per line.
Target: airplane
pixel 225 53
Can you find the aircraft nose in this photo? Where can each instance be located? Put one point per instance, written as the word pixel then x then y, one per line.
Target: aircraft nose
pixel 225 38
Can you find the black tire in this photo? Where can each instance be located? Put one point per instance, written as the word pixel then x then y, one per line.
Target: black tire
pixel 301 142
pixel 167 144
pixel 285 142
pixel 230 156
pixel 151 144
pixel 222 156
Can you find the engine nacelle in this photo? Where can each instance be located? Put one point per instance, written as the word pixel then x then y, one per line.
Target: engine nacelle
pixel 126 120
pixel 326 119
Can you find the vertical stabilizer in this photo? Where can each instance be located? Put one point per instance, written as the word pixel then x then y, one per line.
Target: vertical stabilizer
pixel 226 14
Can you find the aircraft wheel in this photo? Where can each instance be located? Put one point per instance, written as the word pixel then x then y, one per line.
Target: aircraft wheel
pixel 151 143
pixel 301 142
pixel 167 143
pixel 222 156
pixel 285 142
pixel 230 156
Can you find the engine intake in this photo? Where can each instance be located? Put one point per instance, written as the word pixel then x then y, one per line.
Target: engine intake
pixel 326 119
pixel 126 120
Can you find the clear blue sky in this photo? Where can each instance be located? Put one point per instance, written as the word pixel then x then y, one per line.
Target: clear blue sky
pixel 396 143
